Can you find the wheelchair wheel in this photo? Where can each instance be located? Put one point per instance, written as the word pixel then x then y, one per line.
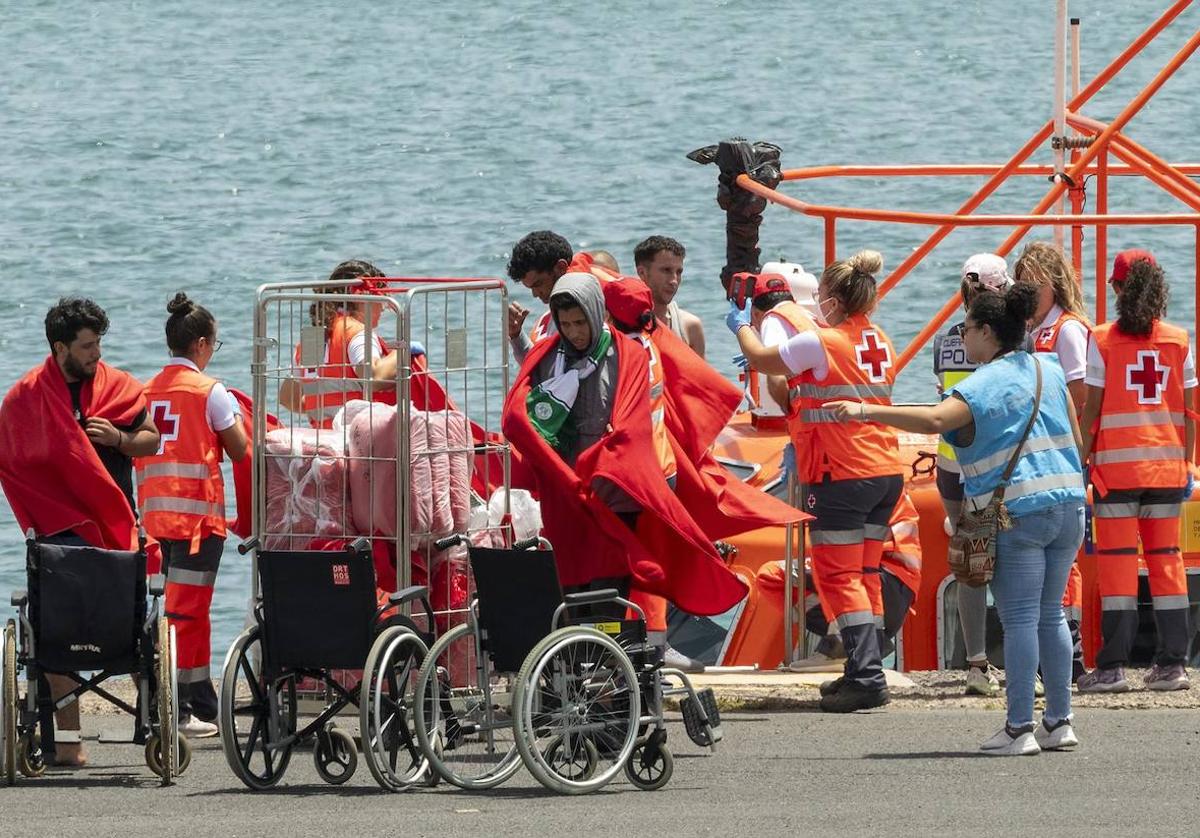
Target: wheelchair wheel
pixel 166 676
pixel 8 687
pixel 576 760
pixel 649 773
pixel 577 685
pixel 153 753
pixel 335 756
pixel 255 713
pixel 386 709
pixel 31 762
pixel 464 724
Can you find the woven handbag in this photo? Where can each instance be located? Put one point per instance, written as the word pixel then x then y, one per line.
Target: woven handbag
pixel 972 554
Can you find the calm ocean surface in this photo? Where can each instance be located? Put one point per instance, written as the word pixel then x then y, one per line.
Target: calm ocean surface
pixel 149 147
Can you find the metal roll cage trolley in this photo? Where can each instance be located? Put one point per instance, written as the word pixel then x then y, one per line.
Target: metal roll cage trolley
pixel 85 616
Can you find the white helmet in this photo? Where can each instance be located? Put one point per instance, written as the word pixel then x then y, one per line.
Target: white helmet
pixel 803 284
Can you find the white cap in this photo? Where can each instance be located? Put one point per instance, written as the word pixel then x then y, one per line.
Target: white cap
pixel 990 270
pixel 803 284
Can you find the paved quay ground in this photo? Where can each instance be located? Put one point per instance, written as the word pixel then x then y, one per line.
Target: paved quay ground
pixel 909 769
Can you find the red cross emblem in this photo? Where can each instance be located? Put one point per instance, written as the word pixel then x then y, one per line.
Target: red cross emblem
pixel 1146 377
pixel 166 422
pixel 873 356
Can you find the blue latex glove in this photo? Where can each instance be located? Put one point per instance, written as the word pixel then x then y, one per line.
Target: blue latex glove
pixel 737 317
pixel 1191 484
pixel 415 347
pixel 739 361
pixel 788 464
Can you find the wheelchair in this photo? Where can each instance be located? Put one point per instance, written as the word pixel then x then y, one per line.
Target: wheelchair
pixel 84 615
pixel 576 706
pixel 317 612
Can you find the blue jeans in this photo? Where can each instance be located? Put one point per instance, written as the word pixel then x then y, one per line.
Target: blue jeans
pixel 1032 563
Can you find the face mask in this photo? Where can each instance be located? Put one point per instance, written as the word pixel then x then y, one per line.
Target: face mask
pixel 822 316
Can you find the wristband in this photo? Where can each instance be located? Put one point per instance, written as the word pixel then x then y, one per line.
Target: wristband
pixel 862 410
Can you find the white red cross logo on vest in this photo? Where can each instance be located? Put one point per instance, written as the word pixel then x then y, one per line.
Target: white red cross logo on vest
pixel 166 422
pixel 873 356
pixel 1146 377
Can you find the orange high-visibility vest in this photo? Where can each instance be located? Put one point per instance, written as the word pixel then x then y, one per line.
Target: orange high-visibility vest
pixel 902 552
pixel 336 381
pixel 1047 338
pixel 795 316
pixel 662 442
pixel 1140 434
pixel 860 358
pixel 180 490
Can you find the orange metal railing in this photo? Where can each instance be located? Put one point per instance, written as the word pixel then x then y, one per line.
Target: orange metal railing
pixel 1103 140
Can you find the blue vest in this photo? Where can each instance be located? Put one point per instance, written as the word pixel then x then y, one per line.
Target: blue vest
pixel 1000 395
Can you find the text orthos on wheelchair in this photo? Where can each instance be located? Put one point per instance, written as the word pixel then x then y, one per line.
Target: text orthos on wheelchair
pixel 317 613
pixel 575 706
pixel 85 616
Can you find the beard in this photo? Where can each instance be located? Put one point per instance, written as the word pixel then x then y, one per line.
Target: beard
pixel 76 370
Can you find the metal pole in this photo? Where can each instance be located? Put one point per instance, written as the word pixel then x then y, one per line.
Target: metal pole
pixel 1102 238
pixel 1060 99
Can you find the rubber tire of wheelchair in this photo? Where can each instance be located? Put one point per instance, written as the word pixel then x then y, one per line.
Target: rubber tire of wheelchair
pixel 168 718
pixel 154 757
pixel 381 654
pixel 8 688
pixel 345 755
pixel 227 723
pixel 525 734
pixel 425 681
pixel 664 766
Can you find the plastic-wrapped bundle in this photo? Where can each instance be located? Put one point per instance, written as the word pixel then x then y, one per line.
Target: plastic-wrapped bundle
pixel 306 488
pixel 449 438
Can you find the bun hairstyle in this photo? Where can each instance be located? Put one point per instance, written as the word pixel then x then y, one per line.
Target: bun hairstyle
pixel 1142 298
pixel 852 281
pixel 189 321
pixel 1006 314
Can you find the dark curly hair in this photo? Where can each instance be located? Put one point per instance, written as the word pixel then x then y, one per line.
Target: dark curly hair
pixel 322 314
pixel 1142 298
pixel 72 314
pixel 648 248
pixel 1006 314
pixel 539 251
pixel 189 321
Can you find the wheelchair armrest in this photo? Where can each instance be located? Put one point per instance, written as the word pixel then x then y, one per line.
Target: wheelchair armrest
pixel 362 544
pixel 19 599
pixel 247 545
pixel 408 594
pixel 157 584
pixel 586 597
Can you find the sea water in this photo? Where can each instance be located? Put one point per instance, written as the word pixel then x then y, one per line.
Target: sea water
pixel 152 147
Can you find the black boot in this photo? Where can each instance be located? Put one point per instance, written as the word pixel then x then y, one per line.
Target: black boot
pixel 853 696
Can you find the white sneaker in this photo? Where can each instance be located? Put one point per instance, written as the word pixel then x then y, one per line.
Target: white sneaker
pixel 194 728
pixel 818 662
pixel 1057 738
pixel 674 659
pixel 982 680
pixel 1005 744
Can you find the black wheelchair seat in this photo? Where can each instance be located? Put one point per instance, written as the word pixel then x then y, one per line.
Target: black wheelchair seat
pixel 319 608
pixel 518 593
pixel 87 607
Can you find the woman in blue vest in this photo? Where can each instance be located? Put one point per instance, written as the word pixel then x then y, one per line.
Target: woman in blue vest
pixel 984 419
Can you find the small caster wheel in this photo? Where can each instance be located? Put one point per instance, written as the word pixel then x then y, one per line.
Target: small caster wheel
pixel 649 771
pixel 335 756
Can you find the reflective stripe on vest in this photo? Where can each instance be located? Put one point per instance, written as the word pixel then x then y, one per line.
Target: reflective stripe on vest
pixel 1001 457
pixel 336 381
pixel 186 506
pixel 1141 431
pixel 1030 487
pixel 184 471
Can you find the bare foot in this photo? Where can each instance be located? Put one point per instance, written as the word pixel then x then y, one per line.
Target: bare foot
pixel 69 755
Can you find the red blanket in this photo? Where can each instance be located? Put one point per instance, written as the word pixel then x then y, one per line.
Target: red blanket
pixel 50 472
pixel 243 469
pixel 670 555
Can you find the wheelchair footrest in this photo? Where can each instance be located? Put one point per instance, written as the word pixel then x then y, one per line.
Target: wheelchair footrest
pixel 703 720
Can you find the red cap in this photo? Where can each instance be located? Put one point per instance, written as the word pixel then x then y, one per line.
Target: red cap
pixel 770 284
pixel 627 299
pixel 1125 260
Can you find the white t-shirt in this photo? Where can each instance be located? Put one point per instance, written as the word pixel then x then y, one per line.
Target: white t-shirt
pixel 775 330
pixel 222 409
pixel 1070 346
pixel 804 352
pixel 356 350
pixel 1096 369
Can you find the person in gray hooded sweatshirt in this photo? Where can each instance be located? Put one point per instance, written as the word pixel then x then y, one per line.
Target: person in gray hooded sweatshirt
pixel 580 380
